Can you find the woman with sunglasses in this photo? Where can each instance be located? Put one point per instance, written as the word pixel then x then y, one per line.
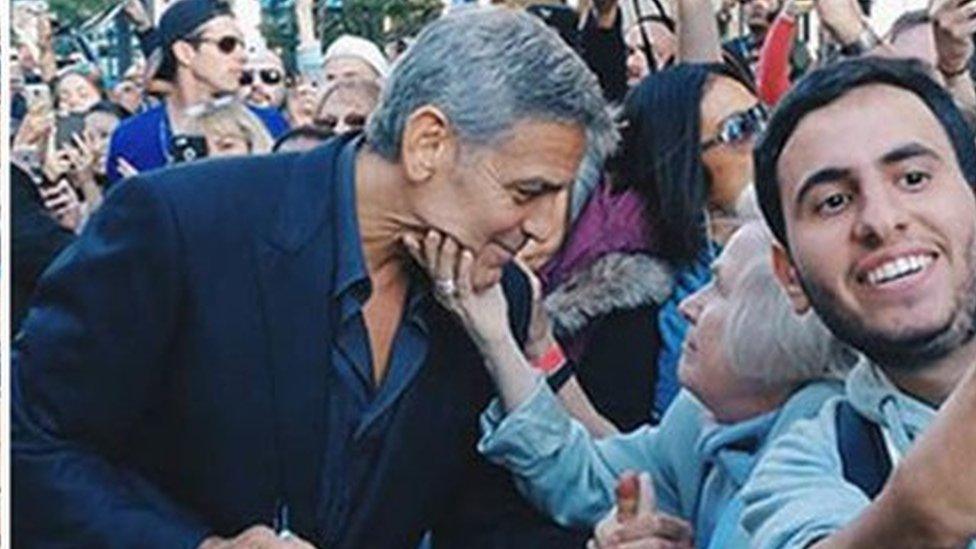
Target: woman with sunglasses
pixel 688 134
pixel 644 238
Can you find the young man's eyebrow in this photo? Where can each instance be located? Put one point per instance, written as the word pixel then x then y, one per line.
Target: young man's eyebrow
pixel 910 150
pixel 830 175
pixel 821 177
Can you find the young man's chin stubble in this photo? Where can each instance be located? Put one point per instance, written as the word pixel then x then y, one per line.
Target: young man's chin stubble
pixel 907 352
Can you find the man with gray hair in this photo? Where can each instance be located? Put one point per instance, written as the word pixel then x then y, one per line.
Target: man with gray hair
pixel 239 352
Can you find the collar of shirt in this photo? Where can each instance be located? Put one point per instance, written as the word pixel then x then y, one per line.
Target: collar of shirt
pixel 351 276
pixel 351 290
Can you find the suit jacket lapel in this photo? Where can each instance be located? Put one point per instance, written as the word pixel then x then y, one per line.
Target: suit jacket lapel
pixel 295 266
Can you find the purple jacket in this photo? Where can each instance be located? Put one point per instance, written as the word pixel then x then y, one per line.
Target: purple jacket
pixel 610 222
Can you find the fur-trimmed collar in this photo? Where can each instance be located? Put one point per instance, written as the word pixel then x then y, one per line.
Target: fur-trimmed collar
pixel 615 281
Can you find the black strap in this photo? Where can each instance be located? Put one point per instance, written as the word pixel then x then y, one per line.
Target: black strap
pixel 557 379
pixel 862 450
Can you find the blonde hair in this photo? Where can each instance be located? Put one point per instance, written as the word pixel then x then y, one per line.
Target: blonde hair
pixel 233 119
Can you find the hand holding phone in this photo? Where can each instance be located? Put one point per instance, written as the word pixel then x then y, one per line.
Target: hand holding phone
pixel 187 148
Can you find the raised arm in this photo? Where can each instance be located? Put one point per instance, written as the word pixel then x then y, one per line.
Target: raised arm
pixel 953 24
pixel 698 38
pixel 773 71
pixel 308 53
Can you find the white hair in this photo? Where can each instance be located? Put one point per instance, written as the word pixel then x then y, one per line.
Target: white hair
pixel 768 340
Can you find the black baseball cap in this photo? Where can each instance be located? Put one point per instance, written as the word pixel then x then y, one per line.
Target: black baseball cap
pixel 180 20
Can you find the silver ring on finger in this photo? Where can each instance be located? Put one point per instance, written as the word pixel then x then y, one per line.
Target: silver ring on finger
pixel 446 287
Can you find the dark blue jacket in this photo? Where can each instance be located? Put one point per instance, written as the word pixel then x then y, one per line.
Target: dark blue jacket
pixel 170 379
pixel 143 139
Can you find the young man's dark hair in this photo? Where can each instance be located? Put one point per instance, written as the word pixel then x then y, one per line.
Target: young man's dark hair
pixel 828 84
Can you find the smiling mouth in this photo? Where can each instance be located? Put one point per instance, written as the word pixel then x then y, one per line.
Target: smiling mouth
pixel 897 269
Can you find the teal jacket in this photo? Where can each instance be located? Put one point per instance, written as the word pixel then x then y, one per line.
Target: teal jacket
pixel 798 493
pixel 697 465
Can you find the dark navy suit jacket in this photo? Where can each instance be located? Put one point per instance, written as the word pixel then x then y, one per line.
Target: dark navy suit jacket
pixel 170 379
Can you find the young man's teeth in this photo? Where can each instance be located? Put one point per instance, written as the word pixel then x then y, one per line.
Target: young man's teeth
pixel 898 268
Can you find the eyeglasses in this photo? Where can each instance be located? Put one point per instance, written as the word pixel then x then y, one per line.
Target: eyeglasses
pixel 352 120
pixel 739 127
pixel 271 77
pixel 226 44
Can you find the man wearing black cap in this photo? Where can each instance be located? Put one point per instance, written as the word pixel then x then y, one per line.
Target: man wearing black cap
pixel 200 57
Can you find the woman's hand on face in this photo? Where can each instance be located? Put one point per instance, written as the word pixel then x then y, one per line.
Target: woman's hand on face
pixel 483 314
pixel 540 327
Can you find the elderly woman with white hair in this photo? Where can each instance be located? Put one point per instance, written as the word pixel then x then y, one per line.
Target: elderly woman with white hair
pixel 750 368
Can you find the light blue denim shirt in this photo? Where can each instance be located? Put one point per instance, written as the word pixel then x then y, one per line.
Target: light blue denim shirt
pixel 798 493
pixel 697 465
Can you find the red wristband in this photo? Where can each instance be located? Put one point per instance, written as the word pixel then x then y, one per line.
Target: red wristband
pixel 551 360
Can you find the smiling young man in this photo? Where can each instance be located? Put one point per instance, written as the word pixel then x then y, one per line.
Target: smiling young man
pixel 240 344
pixel 865 176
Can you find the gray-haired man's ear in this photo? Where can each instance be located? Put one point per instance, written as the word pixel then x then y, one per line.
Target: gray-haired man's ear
pixel 789 279
pixel 428 144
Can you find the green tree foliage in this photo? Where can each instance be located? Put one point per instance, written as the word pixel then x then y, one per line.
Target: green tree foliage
pixel 378 20
pixel 73 12
pixel 381 21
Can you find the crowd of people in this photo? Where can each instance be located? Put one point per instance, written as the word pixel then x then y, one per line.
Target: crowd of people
pixel 551 277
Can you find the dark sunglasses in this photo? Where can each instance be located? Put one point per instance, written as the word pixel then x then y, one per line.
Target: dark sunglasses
pixel 271 77
pixel 739 127
pixel 352 120
pixel 226 44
